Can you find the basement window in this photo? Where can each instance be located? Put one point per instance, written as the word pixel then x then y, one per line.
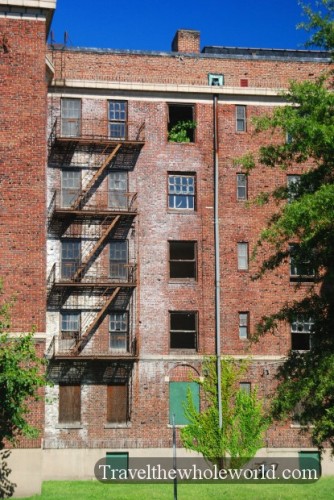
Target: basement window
pixel 69 404
pixel 182 260
pixel 181 125
pixel 183 330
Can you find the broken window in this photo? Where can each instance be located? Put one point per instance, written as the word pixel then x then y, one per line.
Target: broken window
pixel 301 333
pixel 70 186
pixel 119 330
pixel 69 403
pixel 182 259
pixel 70 257
pixel 240 115
pixel 181 192
pixel 117 403
pixel 181 125
pixel 118 119
pixel 70 324
pixel 119 259
pixel 70 117
pixel 183 330
pixel 118 190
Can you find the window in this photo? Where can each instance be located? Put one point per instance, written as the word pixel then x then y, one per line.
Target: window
pixel 243 325
pixel 181 124
pixel 293 182
pixel 242 250
pixel 240 113
pixel 119 259
pixel 183 330
pixel 70 324
pixel 70 257
pixel 178 397
pixel 241 187
pixel 245 386
pixel 69 403
pixel 118 119
pixel 182 260
pixel 301 268
pixel 70 186
pixel 118 190
pixel 301 333
pixel 216 80
pixel 117 403
pixel 70 117
pixel 181 192
pixel 119 328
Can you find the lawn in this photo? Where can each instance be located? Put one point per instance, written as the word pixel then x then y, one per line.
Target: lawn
pixel 93 490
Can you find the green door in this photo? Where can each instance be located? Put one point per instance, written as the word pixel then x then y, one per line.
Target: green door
pixel 178 397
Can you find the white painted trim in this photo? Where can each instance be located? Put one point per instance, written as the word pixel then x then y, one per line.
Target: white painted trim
pixel 22 15
pixel 36 336
pixel 35 4
pixel 166 87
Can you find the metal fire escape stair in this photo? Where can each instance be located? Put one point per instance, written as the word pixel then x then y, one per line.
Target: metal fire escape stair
pixel 85 337
pixel 81 198
pixel 113 221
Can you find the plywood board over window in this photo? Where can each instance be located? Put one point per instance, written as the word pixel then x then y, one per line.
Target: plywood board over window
pixel 69 403
pixel 117 403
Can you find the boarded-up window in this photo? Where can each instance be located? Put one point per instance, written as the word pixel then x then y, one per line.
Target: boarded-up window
pixel 117 403
pixel 178 397
pixel 69 403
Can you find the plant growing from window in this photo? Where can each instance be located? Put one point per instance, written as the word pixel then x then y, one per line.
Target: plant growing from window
pixel 182 131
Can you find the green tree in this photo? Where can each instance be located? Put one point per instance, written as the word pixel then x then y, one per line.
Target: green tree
pixel 304 215
pixel 21 375
pixel 244 422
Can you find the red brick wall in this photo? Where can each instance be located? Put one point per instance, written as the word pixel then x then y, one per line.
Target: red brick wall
pixel 22 177
pixel 23 181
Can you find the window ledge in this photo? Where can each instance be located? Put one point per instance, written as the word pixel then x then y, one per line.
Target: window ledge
pixel 124 425
pixel 299 426
pixel 177 426
pixel 69 426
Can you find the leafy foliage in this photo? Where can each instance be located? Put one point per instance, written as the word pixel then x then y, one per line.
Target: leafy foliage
pixel 180 131
pixel 306 379
pixel 21 375
pixel 244 422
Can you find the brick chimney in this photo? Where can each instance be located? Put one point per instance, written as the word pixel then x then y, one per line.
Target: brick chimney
pixel 186 41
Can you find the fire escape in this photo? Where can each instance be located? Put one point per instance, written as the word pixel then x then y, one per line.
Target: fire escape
pixel 95 215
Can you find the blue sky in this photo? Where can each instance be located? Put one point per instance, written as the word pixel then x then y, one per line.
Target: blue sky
pixel 150 25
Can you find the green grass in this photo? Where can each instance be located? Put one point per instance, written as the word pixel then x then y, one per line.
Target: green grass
pixel 93 490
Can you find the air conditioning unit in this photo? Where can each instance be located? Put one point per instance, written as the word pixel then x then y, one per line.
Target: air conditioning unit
pixel 216 80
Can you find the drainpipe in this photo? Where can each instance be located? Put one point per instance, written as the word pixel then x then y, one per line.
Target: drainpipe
pixel 217 256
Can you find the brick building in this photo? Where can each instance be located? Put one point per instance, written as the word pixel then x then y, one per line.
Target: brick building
pixel 118 266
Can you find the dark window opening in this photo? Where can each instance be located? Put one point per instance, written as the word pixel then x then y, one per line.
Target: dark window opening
pixel 301 268
pixel 301 333
pixel 183 330
pixel 69 403
pixel 70 258
pixel 181 127
pixel 182 263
